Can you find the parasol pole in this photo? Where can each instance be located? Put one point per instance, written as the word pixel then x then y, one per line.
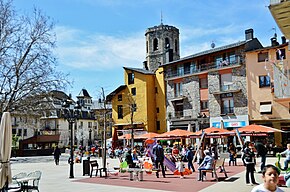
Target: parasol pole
pixel 239 137
pixel 199 144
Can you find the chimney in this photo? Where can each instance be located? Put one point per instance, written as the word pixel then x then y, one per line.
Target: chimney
pixel 274 41
pixel 249 34
pixel 283 38
pixel 145 65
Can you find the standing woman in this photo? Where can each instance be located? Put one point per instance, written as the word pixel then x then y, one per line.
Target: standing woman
pixel 56 155
pixel 249 161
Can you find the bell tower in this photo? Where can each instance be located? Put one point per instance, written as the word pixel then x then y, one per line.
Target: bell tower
pixel 162 46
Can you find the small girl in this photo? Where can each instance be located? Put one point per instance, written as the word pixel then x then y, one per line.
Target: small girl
pixel 180 167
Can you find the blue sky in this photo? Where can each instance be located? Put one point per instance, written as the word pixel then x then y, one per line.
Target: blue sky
pixel 96 38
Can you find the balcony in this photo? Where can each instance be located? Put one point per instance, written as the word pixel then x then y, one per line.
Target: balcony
pixel 227 87
pixel 280 10
pixel 203 68
pixel 281 85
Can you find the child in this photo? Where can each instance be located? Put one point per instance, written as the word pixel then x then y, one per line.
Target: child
pixel 287 159
pixel 270 175
pixel 180 167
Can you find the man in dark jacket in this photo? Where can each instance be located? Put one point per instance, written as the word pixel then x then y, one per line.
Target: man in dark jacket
pixel 261 151
pixel 159 158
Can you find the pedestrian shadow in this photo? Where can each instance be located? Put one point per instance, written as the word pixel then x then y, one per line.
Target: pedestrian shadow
pixel 231 179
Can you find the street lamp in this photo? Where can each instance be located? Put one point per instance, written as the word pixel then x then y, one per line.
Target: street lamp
pixel 90 137
pixel 71 113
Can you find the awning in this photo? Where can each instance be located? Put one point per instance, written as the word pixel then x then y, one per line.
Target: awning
pixel 266 108
pixel 41 139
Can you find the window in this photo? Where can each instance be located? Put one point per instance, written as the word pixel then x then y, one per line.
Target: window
pixel 120 112
pixel 180 70
pixel 156 90
pixel 218 61
pixel 19 132
pixel 25 132
pixel 167 44
pixel 177 89
pixel 134 107
pixel 158 125
pixel 130 78
pixel 227 105
pixel 264 81
pixel 262 56
pixel 226 81
pixel 232 58
pixel 157 110
pixel 203 84
pixel 90 124
pixel 203 105
pixel 265 107
pixel 155 44
pixel 280 54
pixel 146 46
pixel 133 91
pixel 14 131
pixel 120 97
pixel 186 68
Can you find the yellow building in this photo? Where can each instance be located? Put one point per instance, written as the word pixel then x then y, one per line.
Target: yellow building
pixel 268 87
pixel 140 103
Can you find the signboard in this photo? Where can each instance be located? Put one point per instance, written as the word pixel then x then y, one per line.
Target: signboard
pixel 230 124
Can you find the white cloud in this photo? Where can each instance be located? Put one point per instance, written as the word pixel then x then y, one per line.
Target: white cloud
pixel 80 50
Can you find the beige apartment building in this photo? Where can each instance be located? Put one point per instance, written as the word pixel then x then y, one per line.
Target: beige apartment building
pixel 268 88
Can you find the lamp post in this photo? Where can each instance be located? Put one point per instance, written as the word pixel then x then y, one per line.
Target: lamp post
pixel 90 137
pixel 71 113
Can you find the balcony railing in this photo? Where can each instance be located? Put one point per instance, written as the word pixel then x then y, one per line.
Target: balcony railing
pixel 204 67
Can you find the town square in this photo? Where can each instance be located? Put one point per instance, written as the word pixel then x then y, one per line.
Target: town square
pixel 144 96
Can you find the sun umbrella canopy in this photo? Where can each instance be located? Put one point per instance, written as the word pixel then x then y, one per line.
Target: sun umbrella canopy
pixel 257 129
pixel 147 135
pixel 175 133
pixel 212 132
pixel 5 148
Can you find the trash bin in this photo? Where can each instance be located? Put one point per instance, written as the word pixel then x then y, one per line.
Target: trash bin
pixel 86 166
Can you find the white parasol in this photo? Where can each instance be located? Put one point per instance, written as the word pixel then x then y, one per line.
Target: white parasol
pixel 5 149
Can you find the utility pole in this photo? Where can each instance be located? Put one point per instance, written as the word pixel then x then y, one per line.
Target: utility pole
pixel 105 134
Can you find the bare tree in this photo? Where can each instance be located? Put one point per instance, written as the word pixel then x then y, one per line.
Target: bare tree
pixel 27 62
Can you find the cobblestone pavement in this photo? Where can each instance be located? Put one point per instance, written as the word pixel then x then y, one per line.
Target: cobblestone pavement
pixel 56 178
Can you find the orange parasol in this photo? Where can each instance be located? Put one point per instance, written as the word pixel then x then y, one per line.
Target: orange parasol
pixel 175 133
pixel 147 135
pixel 256 129
pixel 213 131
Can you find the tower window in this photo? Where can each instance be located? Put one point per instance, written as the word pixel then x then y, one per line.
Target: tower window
pixel 146 46
pixel 155 44
pixel 167 44
pixel 176 46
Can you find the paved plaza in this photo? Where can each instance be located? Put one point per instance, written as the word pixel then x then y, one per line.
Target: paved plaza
pixel 56 178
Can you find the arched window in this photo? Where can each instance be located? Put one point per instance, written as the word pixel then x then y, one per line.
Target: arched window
pixel 167 43
pixel 155 44
pixel 176 46
pixel 146 46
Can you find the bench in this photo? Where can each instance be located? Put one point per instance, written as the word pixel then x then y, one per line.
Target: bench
pixel 95 167
pixel 217 164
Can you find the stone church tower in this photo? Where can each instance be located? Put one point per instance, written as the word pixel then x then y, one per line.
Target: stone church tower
pixel 162 46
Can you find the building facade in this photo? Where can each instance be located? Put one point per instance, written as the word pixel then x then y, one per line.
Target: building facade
pixel 209 88
pixel 269 87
